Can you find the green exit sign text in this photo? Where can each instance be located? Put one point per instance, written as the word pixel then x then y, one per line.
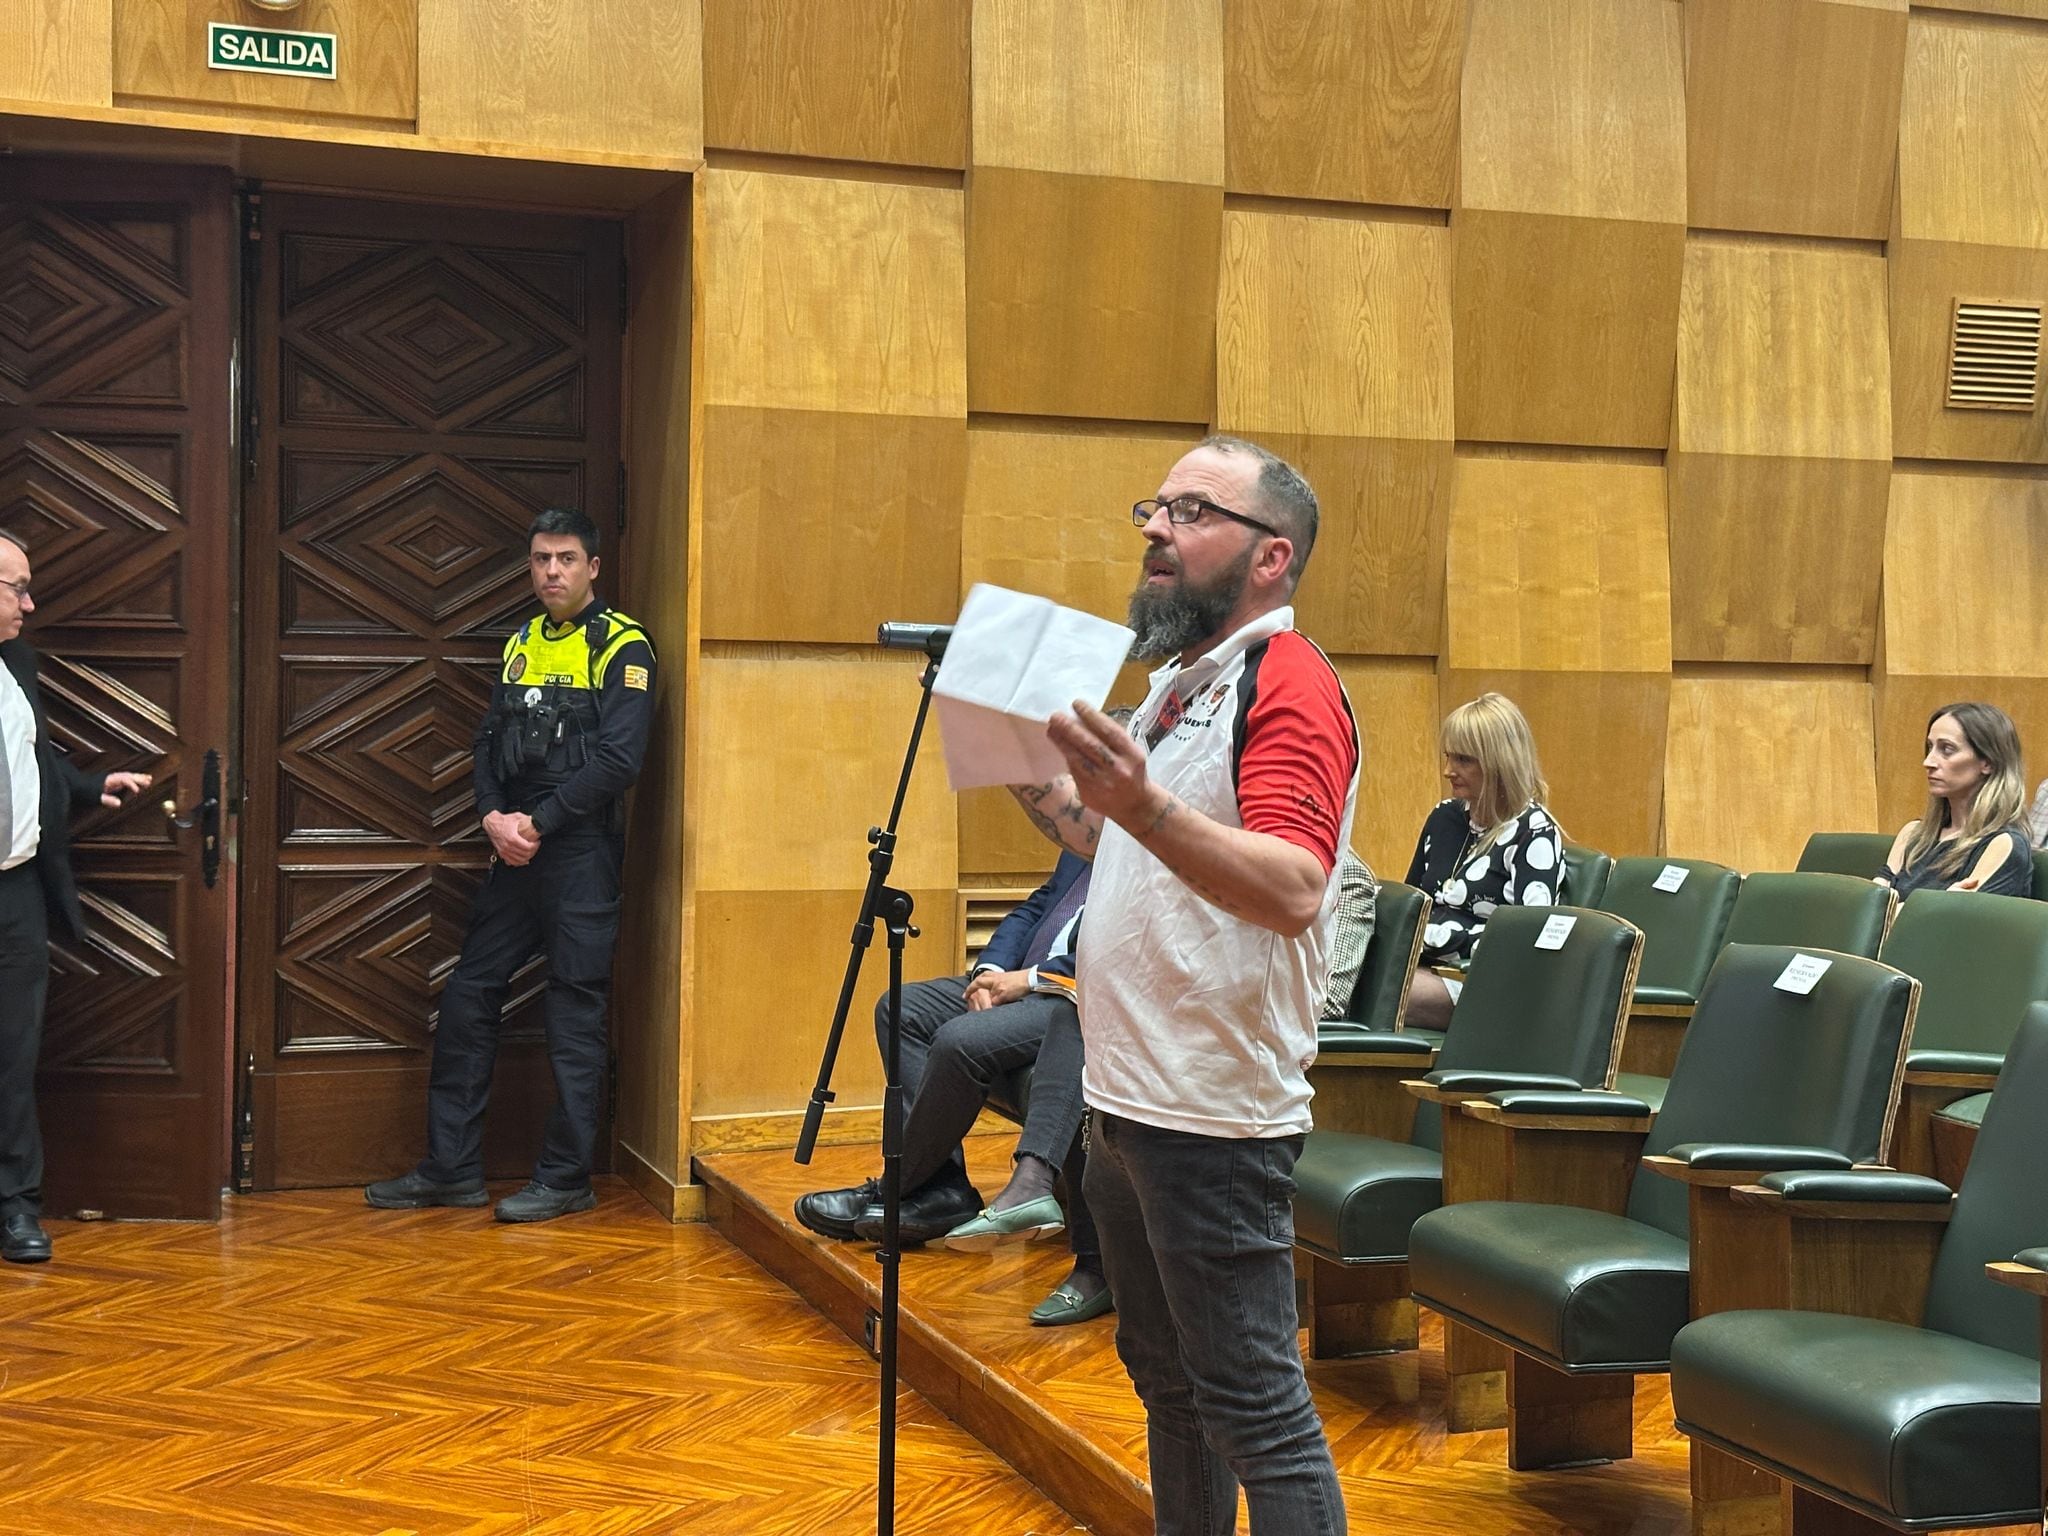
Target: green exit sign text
pixel 268 51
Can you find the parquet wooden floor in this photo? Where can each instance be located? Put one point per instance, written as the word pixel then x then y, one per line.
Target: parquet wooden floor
pixel 1057 1404
pixel 310 1366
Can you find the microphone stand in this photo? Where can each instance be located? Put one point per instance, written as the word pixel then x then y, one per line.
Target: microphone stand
pixel 883 903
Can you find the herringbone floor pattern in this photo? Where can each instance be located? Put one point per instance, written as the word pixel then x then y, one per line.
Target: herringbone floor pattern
pixel 1064 1388
pixel 310 1366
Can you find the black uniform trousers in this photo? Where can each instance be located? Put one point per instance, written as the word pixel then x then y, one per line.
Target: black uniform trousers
pixel 565 901
pixel 24 982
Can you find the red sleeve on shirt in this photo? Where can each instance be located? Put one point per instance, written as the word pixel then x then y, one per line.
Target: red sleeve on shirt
pixel 1300 752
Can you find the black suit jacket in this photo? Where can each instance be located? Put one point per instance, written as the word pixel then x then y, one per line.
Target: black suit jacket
pixel 66 791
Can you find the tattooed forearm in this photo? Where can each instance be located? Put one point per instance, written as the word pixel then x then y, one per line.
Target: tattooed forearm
pixel 1056 810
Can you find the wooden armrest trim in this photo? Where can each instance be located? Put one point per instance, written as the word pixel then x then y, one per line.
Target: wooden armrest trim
pixel 1706 1178
pixel 1404 1060
pixel 1660 1010
pixel 1436 1095
pixel 1982 1082
pixel 2022 1277
pixel 1493 1114
pixel 1845 1210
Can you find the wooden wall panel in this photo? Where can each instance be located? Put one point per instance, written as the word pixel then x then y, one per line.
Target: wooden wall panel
pixel 1395 701
pixel 1559 596
pixel 607 77
pixel 160 57
pixel 1348 100
pixel 1565 328
pixel 1334 350
pixel 1973 160
pixel 798 750
pixel 1574 107
pixel 1569 233
pixel 1972 221
pixel 1781 457
pixel 881 80
pixel 1927 277
pixel 652 997
pixel 1966 561
pixel 1780 726
pixel 57 51
pixel 1792 114
pixel 833 381
pixel 1097 145
pixel 2033 10
pixel 1129 89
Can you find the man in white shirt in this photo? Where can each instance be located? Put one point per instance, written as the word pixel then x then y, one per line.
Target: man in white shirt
pixel 39 792
pixel 1215 824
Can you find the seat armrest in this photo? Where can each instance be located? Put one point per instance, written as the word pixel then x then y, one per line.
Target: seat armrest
pixel 2028 1272
pixel 1477 1080
pixel 1538 1109
pixel 1726 1164
pixel 1858 1194
pixel 1945 1065
pixel 1336 1038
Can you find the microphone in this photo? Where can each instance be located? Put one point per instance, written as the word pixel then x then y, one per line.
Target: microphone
pixel 929 638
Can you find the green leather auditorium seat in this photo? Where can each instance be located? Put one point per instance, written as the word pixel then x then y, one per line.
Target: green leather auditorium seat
pixel 1530 1017
pixel 1379 996
pixel 1980 960
pixel 1861 854
pixel 1928 1427
pixel 1767 1079
pixel 1812 911
pixel 1681 928
pixel 1362 1057
pixel 2041 874
pixel 1585 874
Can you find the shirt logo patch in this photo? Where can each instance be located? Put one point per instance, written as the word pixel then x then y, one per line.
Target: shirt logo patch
pixel 636 677
pixel 515 669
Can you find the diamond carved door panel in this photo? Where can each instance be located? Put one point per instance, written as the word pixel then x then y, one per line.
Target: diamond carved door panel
pixel 430 379
pixel 116 309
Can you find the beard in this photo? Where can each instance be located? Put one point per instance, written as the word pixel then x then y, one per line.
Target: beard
pixel 1169 619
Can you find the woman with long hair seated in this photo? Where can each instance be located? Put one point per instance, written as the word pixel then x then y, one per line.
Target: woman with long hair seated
pixel 1972 836
pixel 1491 844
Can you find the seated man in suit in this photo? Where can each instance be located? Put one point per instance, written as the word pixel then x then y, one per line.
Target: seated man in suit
pixel 960 1033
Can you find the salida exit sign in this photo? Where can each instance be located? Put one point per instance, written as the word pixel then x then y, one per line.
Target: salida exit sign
pixel 269 51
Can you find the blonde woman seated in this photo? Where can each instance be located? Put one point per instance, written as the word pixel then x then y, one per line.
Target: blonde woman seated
pixel 1972 836
pixel 1491 845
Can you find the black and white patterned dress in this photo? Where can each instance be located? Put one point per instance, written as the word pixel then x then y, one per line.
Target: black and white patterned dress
pixel 1523 868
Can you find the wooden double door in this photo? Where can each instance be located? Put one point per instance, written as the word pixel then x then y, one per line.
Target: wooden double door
pixel 320 604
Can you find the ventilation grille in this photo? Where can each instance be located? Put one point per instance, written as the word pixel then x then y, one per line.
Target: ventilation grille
pixel 1994 360
pixel 984 907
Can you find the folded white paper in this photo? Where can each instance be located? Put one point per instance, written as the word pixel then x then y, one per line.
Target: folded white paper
pixel 1013 662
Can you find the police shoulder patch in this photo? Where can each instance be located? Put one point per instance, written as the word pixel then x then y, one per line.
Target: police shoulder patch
pixel 515 669
pixel 636 677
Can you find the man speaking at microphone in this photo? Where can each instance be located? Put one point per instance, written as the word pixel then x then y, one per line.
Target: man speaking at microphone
pixel 1215 825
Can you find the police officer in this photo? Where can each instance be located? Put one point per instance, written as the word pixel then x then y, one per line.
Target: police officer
pixel 562 742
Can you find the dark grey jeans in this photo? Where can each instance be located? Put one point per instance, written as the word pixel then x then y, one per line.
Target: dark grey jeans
pixel 1197 1233
pixel 951 1057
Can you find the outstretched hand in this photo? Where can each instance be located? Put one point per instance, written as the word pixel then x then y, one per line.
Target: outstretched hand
pixel 1108 766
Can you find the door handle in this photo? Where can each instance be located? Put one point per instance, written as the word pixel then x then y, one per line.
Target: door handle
pixel 205 816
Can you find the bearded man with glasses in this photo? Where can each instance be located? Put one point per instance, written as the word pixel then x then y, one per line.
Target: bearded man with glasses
pixel 1215 824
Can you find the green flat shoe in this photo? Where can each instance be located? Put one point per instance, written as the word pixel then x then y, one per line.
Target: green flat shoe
pixel 1067 1305
pixel 1020 1224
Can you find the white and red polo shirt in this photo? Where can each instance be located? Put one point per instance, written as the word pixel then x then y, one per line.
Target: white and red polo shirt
pixel 1195 1020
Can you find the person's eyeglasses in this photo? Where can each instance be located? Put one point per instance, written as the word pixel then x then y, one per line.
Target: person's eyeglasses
pixel 18 588
pixel 1189 509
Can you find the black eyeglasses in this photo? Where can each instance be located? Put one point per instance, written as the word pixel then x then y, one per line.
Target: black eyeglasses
pixel 1189 509
pixel 18 588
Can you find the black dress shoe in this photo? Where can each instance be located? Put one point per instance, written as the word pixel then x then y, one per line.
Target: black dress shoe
pixel 544 1202
pixel 23 1240
pixel 832 1212
pixel 415 1191
pixel 928 1214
